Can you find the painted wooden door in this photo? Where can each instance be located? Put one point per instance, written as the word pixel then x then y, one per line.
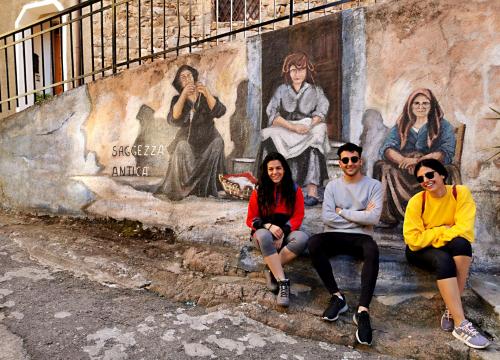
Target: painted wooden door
pixel 321 39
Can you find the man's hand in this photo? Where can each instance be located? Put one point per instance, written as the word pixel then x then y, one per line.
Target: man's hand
pixel 338 210
pixel 370 206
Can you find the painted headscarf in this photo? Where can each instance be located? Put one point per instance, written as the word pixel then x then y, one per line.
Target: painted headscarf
pixel 177 80
pixel 407 119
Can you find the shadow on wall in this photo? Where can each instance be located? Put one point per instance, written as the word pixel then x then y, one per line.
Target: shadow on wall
pixel 239 125
pixel 372 138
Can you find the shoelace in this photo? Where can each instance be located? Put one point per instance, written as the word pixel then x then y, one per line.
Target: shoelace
pixel 283 287
pixel 469 329
pixel 447 314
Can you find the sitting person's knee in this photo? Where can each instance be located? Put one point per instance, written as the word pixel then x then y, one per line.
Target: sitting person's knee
pixel 370 250
pixel 460 246
pixel 297 242
pixel 264 239
pixel 314 244
pixel 445 266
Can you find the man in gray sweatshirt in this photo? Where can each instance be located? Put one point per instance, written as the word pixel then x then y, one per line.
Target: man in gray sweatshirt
pixel 352 205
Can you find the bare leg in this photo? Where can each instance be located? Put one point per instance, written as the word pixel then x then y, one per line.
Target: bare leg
pixel 312 190
pixel 451 295
pixel 286 256
pixel 462 264
pixel 274 263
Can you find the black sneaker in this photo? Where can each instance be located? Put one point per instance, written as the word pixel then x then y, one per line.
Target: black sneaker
pixel 364 332
pixel 337 306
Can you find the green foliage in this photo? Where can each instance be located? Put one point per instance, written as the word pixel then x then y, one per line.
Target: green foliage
pixel 40 97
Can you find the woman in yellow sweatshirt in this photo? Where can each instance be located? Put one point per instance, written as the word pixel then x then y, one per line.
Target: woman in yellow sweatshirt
pixel 438 230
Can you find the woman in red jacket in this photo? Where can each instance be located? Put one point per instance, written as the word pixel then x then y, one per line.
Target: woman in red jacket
pixel 275 214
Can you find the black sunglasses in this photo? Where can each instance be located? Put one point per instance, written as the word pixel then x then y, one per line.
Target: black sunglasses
pixel 429 175
pixel 354 160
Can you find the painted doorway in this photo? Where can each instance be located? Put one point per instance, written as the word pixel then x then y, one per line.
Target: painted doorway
pixel 45 53
pixel 321 40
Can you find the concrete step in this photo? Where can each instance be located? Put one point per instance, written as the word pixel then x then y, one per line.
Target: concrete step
pixel 487 287
pixel 396 276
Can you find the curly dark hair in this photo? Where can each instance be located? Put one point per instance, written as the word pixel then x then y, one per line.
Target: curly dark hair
pixel 265 188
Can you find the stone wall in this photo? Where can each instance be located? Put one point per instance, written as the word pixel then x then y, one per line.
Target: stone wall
pixel 201 14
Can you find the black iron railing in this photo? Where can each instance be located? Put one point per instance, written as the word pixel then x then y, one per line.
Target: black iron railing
pixel 98 38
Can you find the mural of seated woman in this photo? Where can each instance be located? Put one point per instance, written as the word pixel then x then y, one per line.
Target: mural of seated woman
pixel 197 151
pixel 421 132
pixel 296 127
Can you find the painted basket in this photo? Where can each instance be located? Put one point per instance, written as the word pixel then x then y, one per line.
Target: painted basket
pixel 235 189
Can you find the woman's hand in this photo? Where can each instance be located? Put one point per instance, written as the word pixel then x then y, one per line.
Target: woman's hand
pixel 315 121
pixel 408 163
pixel 201 88
pixel 300 129
pixel 278 243
pixel 275 230
pixel 188 90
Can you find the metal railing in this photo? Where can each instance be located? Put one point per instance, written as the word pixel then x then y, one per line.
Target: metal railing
pixel 98 38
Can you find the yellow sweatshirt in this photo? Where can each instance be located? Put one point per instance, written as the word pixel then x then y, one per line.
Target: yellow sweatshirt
pixel 443 219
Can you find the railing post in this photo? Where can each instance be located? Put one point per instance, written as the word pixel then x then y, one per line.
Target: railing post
pixel 113 35
pixel 291 13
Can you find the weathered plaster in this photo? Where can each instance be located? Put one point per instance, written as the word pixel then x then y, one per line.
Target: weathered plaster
pixel 354 73
pixel 40 149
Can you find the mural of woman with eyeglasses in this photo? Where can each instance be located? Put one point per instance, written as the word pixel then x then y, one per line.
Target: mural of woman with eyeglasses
pixel 296 126
pixel 197 151
pixel 421 132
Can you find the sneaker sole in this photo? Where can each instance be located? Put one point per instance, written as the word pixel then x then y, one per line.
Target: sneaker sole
pixel 341 311
pixel 447 330
pixel 466 342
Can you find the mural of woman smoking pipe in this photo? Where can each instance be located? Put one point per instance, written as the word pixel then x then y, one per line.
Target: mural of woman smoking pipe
pixel 197 151
pixel 296 126
pixel 421 132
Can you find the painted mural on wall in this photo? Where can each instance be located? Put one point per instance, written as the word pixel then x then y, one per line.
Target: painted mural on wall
pixel 421 132
pixel 197 151
pixel 295 123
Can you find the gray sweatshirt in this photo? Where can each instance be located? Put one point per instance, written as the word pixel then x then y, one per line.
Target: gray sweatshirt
pixel 352 198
